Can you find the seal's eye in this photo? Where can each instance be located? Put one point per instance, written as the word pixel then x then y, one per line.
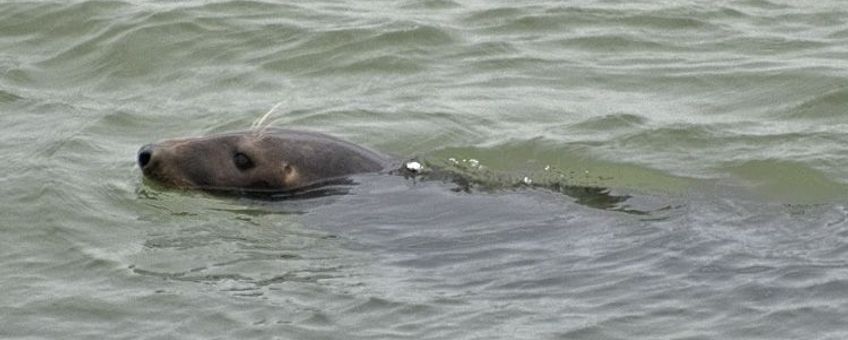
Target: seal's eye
pixel 242 161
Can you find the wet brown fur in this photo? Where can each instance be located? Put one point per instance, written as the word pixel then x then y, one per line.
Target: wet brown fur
pixel 282 160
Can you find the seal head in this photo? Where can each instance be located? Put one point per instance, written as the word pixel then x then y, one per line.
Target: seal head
pixel 266 160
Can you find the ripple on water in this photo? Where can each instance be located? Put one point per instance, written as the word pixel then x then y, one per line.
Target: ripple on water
pixel 788 181
pixel 394 49
pixel 611 122
pixel 8 97
pixel 827 105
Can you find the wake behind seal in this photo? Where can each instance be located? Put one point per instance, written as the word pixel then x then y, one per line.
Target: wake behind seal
pixel 258 160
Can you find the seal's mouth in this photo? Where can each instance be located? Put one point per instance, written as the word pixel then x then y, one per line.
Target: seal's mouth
pixel 167 181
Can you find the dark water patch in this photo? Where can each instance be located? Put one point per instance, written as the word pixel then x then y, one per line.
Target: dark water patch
pixel 493 15
pixel 506 63
pixel 432 5
pixel 246 8
pixel 613 43
pixel 538 19
pixel 727 12
pixel 376 65
pixel 703 18
pixel 724 74
pixel 534 23
pixel 51 20
pixel 484 50
pixel 190 278
pixel 529 20
pixel 812 21
pixel 15 72
pixel 611 122
pixel 416 35
pixel 841 34
pixel 663 23
pixel 768 46
pixel 8 97
pixel 763 4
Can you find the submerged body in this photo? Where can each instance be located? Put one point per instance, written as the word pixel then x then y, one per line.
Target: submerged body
pixel 265 160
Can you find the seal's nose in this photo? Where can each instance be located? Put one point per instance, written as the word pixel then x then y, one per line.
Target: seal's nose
pixel 144 155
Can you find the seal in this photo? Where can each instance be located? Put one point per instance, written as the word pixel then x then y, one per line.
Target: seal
pixel 266 160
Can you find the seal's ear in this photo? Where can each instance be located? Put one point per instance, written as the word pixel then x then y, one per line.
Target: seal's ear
pixel 291 178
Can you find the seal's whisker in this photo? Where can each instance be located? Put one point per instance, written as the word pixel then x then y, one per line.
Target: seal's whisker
pixel 258 124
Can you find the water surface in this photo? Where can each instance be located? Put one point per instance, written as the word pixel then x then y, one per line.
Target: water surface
pixel 723 122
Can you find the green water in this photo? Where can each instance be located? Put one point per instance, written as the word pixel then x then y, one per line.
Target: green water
pixel 723 122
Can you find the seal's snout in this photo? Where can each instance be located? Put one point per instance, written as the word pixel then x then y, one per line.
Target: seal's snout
pixel 144 155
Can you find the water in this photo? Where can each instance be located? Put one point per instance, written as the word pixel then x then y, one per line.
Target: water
pixel 723 122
